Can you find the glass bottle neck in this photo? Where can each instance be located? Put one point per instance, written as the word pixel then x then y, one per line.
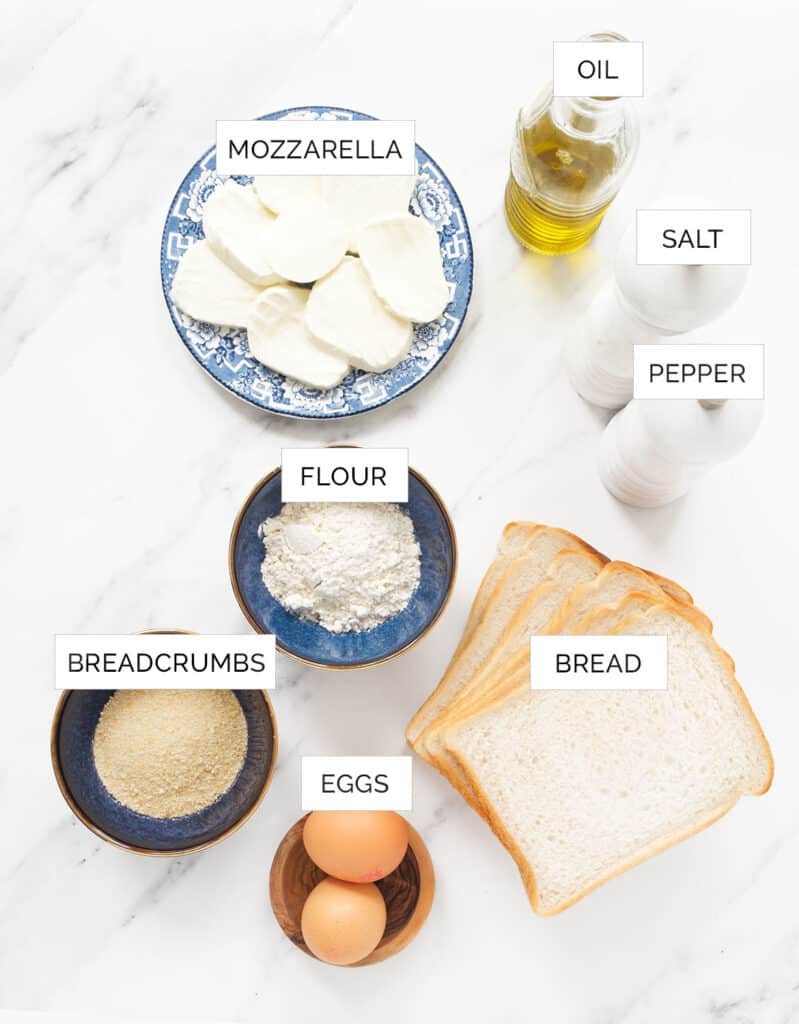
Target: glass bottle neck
pixel 586 115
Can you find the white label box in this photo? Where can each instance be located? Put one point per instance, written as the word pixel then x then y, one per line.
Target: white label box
pixel 703 372
pixel 601 69
pixel 693 237
pixel 357 783
pixel 344 474
pixel 599 662
pixel 300 147
pixel 168 661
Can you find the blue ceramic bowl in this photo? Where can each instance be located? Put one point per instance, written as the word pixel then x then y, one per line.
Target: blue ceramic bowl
pixel 309 642
pixel 74 725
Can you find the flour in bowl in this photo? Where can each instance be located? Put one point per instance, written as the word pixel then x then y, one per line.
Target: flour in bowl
pixel 348 567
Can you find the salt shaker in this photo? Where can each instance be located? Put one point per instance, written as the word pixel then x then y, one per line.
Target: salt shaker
pixel 643 304
pixel 653 450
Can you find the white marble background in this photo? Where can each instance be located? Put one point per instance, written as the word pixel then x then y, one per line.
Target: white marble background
pixel 124 465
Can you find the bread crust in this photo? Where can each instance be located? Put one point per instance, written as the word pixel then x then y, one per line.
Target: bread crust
pixel 463 706
pixel 540 589
pixel 517 532
pixel 672 589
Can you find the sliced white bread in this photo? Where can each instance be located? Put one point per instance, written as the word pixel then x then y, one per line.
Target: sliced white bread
pixel 517 538
pixel 614 583
pixel 519 576
pixel 512 676
pixel 674 590
pixel 605 620
pixel 581 786
pixel 508 668
pixel 565 572
pixel 612 591
pixel 513 543
pixel 609 588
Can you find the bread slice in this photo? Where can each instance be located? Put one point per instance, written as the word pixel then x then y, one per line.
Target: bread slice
pixel 515 539
pixel 513 675
pixel 581 785
pixel 610 588
pixel 608 618
pixel 540 544
pixel 566 571
pixel 558 606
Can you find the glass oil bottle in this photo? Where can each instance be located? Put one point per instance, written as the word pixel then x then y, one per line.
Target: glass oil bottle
pixel 569 158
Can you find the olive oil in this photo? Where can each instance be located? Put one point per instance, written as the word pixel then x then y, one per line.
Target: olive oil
pixel 544 230
pixel 568 160
pixel 556 203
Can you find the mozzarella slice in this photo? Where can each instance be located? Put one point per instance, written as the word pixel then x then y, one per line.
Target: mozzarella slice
pixel 237 228
pixel 346 315
pixel 360 199
pixel 207 289
pixel 279 338
pixel 307 242
pixel 278 192
pixel 401 255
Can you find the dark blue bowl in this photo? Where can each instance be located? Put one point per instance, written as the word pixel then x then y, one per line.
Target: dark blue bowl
pixel 308 642
pixel 75 721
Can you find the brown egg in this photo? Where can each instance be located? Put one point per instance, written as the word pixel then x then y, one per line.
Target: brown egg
pixel 356 846
pixel 343 922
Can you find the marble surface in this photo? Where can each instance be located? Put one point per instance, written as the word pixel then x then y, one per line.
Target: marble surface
pixel 124 466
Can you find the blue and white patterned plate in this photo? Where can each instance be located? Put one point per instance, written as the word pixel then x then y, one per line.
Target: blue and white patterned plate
pixel 224 353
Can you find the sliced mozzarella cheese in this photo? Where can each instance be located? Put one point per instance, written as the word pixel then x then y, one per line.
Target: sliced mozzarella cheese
pixel 347 317
pixel 307 242
pixel 279 338
pixel 401 255
pixel 207 289
pixel 278 192
pixel 237 228
pixel 360 199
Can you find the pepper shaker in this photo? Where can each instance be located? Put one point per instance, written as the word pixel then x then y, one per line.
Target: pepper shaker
pixel 653 450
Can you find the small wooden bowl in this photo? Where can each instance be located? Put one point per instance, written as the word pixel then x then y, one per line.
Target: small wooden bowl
pixel 408 892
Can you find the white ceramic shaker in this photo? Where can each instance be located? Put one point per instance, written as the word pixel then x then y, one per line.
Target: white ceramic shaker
pixel 643 304
pixel 654 449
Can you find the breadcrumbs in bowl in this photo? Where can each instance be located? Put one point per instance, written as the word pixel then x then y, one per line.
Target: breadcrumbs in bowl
pixel 169 753
pixel 189 790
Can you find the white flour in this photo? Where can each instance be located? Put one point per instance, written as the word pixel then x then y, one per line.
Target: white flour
pixel 348 567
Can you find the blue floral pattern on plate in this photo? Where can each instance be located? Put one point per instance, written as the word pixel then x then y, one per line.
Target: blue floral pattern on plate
pixel 224 353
